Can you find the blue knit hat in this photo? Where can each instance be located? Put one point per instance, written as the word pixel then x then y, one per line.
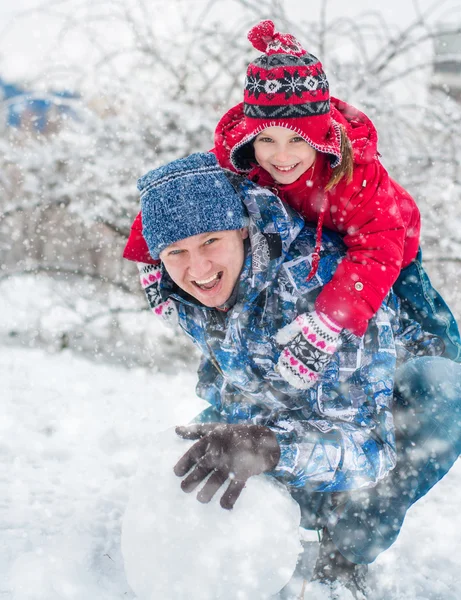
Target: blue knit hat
pixel 186 197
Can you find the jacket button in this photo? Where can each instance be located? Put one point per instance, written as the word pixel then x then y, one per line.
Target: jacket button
pixel 359 286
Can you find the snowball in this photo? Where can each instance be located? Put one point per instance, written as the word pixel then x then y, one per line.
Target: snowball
pixel 175 548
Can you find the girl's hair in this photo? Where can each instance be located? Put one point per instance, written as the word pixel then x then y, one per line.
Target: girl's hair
pixel 346 166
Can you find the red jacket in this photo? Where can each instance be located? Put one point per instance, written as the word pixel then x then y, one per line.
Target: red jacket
pixel 379 220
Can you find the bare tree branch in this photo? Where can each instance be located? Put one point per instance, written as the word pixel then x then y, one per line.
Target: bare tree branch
pixel 323 27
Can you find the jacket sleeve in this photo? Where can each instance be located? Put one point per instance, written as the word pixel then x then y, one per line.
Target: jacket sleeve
pixel 136 248
pixel 333 457
pixel 366 212
pixel 323 454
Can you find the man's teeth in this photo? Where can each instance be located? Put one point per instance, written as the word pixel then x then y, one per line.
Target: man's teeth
pixel 205 281
pixel 286 168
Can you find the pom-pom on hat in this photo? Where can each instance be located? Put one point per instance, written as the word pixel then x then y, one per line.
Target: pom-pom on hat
pixel 286 87
pixel 186 197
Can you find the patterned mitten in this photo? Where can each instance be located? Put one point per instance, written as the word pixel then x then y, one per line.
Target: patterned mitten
pixel 150 276
pixel 310 341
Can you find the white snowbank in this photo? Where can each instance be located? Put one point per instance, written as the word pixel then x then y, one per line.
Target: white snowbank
pixel 71 435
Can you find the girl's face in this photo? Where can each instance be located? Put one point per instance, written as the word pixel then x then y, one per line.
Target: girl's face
pixel 283 154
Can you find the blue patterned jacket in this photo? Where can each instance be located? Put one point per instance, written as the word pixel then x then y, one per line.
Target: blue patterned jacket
pixel 336 436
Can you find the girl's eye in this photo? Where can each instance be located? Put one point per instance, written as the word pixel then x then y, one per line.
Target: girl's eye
pixel 298 139
pixel 264 139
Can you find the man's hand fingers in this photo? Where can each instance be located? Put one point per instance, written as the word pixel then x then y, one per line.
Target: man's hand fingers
pixel 188 432
pixel 198 474
pixel 233 491
pixel 212 486
pixel 191 457
pixel 195 431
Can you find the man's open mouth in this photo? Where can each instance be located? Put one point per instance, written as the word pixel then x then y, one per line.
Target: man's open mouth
pixel 210 283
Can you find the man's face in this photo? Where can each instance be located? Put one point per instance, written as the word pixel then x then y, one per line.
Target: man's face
pixel 207 266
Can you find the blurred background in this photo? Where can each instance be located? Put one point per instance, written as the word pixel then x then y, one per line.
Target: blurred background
pixel 94 93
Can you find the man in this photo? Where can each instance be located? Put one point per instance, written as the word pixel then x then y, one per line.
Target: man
pixel 359 447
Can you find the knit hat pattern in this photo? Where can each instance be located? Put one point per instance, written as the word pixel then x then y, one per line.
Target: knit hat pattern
pixel 187 197
pixel 286 87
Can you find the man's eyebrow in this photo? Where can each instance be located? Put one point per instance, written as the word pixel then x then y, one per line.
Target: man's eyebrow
pixel 176 245
pixel 202 236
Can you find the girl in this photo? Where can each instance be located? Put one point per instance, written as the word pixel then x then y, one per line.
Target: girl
pixel 319 155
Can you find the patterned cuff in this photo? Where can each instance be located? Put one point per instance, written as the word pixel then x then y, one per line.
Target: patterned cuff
pixel 321 332
pixel 150 276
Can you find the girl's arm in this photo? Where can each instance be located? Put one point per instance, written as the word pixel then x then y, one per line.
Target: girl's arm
pixel 366 212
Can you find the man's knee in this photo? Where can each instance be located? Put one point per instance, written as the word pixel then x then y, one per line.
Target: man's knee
pixel 362 533
pixel 429 385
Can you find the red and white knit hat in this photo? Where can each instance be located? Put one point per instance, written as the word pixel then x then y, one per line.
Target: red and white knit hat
pixel 286 87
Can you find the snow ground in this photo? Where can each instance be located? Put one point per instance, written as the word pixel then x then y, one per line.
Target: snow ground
pixel 71 434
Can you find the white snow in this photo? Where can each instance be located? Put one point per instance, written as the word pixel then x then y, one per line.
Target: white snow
pixel 174 546
pixel 72 434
